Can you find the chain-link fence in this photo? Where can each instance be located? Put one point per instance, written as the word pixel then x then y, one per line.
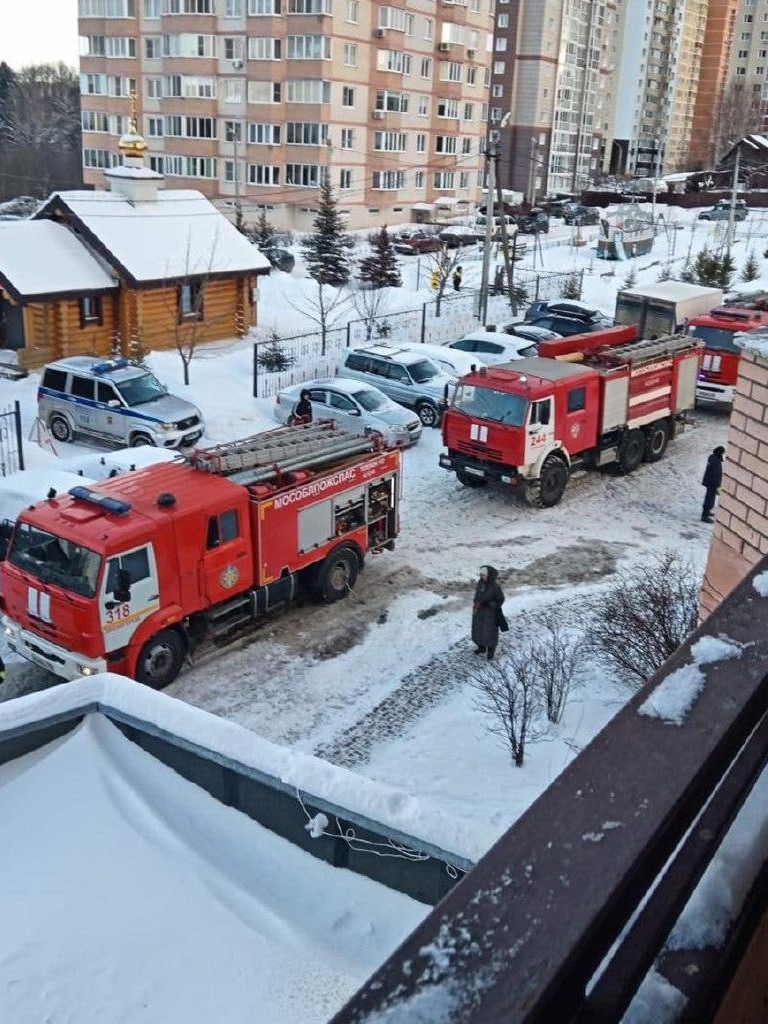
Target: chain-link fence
pixel 280 362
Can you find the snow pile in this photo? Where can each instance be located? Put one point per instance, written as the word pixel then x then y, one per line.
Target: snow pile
pixel 128 893
pixel 674 697
pixel 656 1000
pixel 760 583
pixel 754 342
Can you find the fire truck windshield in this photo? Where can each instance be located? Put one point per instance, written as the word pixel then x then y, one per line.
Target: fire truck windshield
pixel 714 337
pixel 52 559
pixel 489 404
pixel 138 390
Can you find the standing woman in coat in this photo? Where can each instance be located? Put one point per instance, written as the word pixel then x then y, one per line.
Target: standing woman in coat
pixel 486 611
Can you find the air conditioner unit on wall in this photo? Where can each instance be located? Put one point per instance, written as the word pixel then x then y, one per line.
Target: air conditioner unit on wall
pixel 381 32
pixel 444 47
pixel 237 65
pixel 471 52
pixel 378 115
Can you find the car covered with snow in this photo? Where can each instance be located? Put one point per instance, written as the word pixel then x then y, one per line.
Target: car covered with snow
pixel 357 407
pixel 414 243
pixel 724 213
pixel 404 373
pixel 493 347
pixel 115 401
pixel 458 235
pixel 452 361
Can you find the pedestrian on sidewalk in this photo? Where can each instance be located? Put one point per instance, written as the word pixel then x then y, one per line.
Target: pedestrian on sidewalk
pixel 487 616
pixel 711 481
pixel 457 275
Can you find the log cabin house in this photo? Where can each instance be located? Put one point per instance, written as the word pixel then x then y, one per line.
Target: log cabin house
pixel 128 270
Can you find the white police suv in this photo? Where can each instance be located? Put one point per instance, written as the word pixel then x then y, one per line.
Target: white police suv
pixel 115 401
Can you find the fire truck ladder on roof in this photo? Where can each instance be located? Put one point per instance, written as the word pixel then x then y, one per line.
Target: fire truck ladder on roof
pixel 264 456
pixel 643 351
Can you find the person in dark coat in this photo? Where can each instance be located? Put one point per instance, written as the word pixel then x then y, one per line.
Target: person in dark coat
pixel 303 411
pixel 489 597
pixel 457 276
pixel 713 477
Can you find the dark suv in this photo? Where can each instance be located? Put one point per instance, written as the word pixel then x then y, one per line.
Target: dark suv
pixel 534 222
pixel 580 215
pixel 567 317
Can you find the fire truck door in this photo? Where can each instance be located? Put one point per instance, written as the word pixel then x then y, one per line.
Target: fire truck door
pixel 121 611
pixel 227 560
pixel 539 431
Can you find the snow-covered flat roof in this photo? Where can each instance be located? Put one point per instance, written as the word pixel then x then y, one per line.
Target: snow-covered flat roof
pixel 41 257
pixel 129 893
pixel 178 234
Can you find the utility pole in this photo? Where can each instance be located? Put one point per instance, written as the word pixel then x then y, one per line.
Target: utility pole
pixel 656 169
pixel 531 172
pixel 238 204
pixel 732 210
pixel 494 157
pixel 490 171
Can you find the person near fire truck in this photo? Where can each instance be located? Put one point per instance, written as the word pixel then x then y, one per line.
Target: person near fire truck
pixel 487 616
pixel 713 477
pixel 302 413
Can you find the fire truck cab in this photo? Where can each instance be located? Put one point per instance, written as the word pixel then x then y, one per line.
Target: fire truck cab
pixel 720 363
pixel 132 574
pixel 589 401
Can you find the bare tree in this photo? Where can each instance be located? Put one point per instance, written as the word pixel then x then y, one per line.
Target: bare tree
pixel 738 113
pixel 325 308
pixel 558 656
pixel 507 692
pixel 644 616
pixel 442 264
pixel 370 305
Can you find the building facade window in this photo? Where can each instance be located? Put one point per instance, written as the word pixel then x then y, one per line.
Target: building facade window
pixel 305 133
pixel 353 11
pixel 348 96
pixel 263 174
pixel 263 134
pixel 345 179
pixel 347 138
pixel 308 48
pixel 190 298
pixel 387 181
pixel 350 55
pixel 307 90
pixel 304 175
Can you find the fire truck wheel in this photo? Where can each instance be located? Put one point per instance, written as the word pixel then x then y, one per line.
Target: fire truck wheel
pixel 632 451
pixel 337 575
pixel 142 441
pixel 550 487
pixel 428 414
pixel 60 428
pixel 160 659
pixel 658 439
pixel 470 481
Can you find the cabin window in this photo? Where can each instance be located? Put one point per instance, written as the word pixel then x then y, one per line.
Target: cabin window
pixel 90 310
pixel 56 380
pixel 577 399
pixel 222 528
pixel 191 300
pixel 135 563
pixel 540 412
pixel 82 387
pixel 105 393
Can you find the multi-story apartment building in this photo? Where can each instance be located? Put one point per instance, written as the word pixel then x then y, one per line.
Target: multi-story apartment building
pixel 257 99
pixel 547 73
pixel 715 65
pixel 657 81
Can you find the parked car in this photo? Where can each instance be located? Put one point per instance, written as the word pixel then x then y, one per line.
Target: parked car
pixel 357 407
pixel 580 215
pixel 558 207
pixel 566 317
pixel 531 333
pixel 723 213
pixel 533 223
pixel 741 204
pixel 481 222
pixel 458 235
pixel 493 347
pixel 411 243
pixel 450 360
pixel 401 372
pixel 281 259
pixel 114 400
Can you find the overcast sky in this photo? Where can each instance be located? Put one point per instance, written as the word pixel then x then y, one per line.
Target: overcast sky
pixel 33 31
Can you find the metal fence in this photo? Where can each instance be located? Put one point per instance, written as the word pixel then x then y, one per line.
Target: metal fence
pixel 11 445
pixel 281 362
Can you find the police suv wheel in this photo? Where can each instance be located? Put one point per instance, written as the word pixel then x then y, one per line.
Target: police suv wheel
pixel 428 414
pixel 142 441
pixel 60 428
pixel 338 575
pixel 160 659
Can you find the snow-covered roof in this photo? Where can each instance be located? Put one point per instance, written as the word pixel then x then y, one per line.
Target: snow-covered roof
pixel 675 291
pixel 175 235
pixel 40 257
pixel 755 342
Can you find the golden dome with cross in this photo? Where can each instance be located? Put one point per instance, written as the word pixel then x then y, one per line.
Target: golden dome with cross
pixel 132 144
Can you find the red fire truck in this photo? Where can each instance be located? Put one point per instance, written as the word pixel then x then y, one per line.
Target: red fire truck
pixel 131 574
pixel 587 401
pixel 720 363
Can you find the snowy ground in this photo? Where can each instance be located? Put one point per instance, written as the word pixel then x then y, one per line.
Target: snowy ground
pixel 128 893
pixel 376 683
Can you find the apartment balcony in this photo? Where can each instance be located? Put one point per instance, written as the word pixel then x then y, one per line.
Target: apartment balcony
pixel 569 915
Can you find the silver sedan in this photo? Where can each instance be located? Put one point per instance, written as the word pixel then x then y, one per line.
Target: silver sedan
pixel 356 406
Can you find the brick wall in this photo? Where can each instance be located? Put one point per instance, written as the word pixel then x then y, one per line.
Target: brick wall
pixel 740 535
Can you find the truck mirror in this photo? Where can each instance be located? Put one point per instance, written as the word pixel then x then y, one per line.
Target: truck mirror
pixel 123 588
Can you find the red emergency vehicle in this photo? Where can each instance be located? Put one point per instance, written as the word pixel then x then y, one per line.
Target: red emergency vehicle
pixel 130 575
pixel 720 363
pixel 586 402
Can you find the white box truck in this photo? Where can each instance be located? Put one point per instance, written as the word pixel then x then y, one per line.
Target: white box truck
pixel 665 307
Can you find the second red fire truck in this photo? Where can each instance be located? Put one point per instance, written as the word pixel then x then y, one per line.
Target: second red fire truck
pixel 130 575
pixel 587 401
pixel 720 363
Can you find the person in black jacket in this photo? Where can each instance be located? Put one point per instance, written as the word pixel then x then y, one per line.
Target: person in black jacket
pixel 486 610
pixel 303 411
pixel 713 477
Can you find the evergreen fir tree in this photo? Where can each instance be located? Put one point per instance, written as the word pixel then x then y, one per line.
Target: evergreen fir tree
pixel 665 273
pixel 726 267
pixel 263 234
pixel 751 269
pixel 572 286
pixel 326 258
pixel 381 269
pixel 631 279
